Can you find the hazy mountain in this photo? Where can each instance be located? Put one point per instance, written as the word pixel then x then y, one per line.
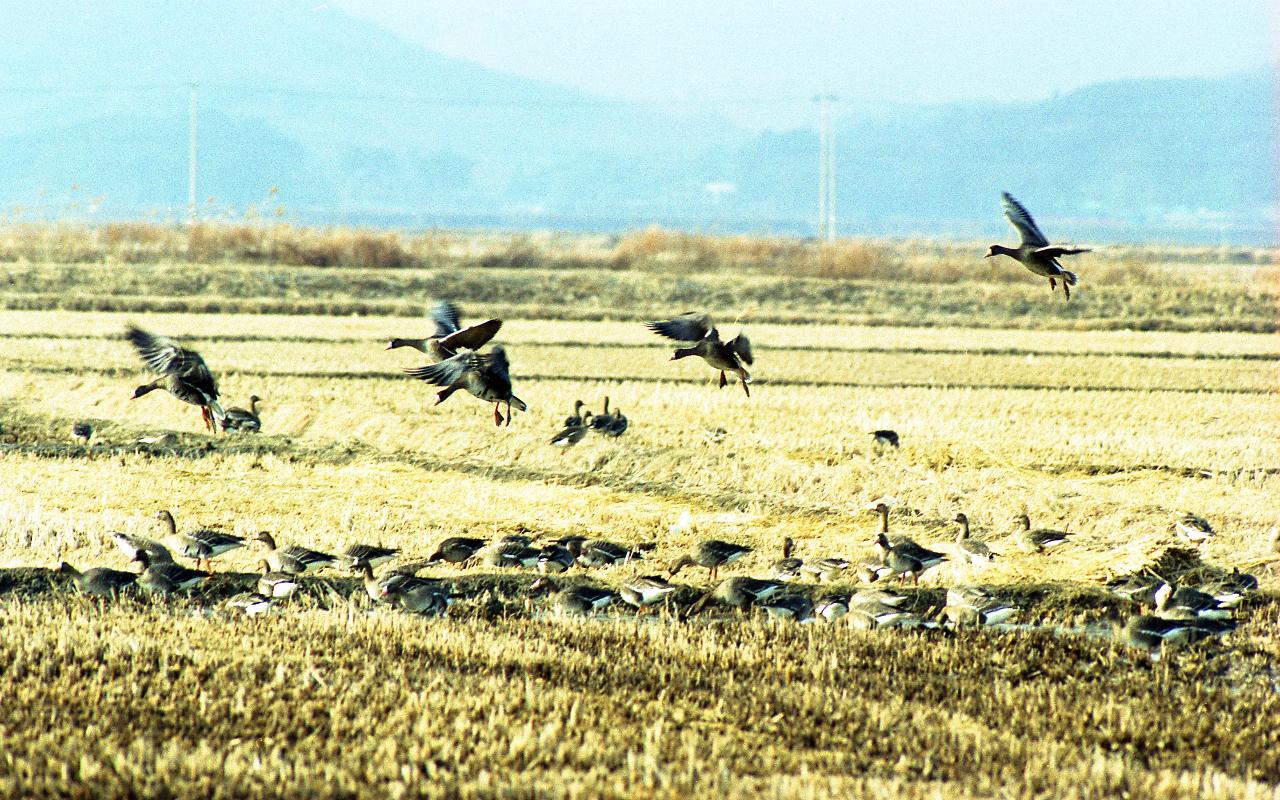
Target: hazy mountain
pixel 351 123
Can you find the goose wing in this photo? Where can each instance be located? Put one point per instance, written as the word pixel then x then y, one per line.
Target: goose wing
pixel 472 338
pixel 445 316
pixel 691 326
pixel 740 346
pixel 1054 251
pixel 1020 219
pixel 447 372
pixel 164 356
pixel 495 367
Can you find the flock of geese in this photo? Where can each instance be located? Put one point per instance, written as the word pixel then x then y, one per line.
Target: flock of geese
pixel 1179 614
pixel 802 590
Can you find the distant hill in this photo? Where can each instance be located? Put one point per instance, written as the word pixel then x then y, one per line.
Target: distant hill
pixel 351 123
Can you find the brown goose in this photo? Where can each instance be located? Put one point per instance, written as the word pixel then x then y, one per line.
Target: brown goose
pixel 710 554
pixel 166 577
pixel 100 581
pixel 572 434
pixel 788 567
pixel 202 544
pixel 975 551
pixel 485 376
pixel 293 559
pixel 1040 539
pixel 1035 253
pixel 182 373
pixel 450 337
pixel 692 326
pixel 456 550
pixel 245 420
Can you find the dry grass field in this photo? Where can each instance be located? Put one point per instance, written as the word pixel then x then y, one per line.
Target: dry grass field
pixel 1080 422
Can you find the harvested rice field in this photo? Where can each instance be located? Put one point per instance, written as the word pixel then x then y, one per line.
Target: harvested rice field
pixel 1105 433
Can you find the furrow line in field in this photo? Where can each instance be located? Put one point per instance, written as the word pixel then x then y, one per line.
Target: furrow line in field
pixel 657 344
pixel 132 373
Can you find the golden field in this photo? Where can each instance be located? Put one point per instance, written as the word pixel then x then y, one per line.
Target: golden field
pixel 1102 431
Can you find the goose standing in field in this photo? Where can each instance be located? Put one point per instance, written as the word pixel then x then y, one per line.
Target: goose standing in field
pixel 1040 539
pixel 182 373
pixel 907 558
pixel 731 356
pixel 372 554
pixel 1188 603
pixel 252 604
pixel 576 418
pixel 975 551
pixel 1035 253
pixel 899 554
pixel 554 559
pixel 788 567
pixel 293 559
pixel 973 605
pixel 1195 530
pixel 100 581
pixel 201 544
pixel 788 607
pixel 456 550
pixel 166 577
pixel 710 554
pixel 130 545
pixel 507 554
pixel 276 583
pixel 618 424
pixel 742 592
pixel 599 422
pixel 1150 632
pixel 572 434
pixel 486 376
pixel 885 438
pixel 830 608
pixel 244 420
pixel 578 601
pixel 450 337
pixel 646 591
pixel 604 553
pixel 82 432
pixel 868 611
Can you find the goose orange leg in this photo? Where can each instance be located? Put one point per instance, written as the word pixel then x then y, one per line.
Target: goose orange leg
pixel 508 413
pixel 723 380
pixel 742 378
pixel 497 418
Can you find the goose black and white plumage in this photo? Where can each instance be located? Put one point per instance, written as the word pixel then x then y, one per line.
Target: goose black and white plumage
pixel 710 554
pixel 692 326
pixel 1040 539
pixel 572 434
pixel 975 551
pixel 574 600
pixel 456 550
pixel 202 544
pixel 486 376
pixel 373 555
pixel 646 591
pixel 293 559
pixel 450 337
pixel 1194 529
pixel 1150 632
pixel 244 420
pixel 182 373
pixel 1035 252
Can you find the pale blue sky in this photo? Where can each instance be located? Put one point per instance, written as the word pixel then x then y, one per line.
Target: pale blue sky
pixel 673 51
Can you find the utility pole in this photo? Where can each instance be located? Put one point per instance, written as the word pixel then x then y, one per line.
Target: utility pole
pixel 826 170
pixel 191 159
